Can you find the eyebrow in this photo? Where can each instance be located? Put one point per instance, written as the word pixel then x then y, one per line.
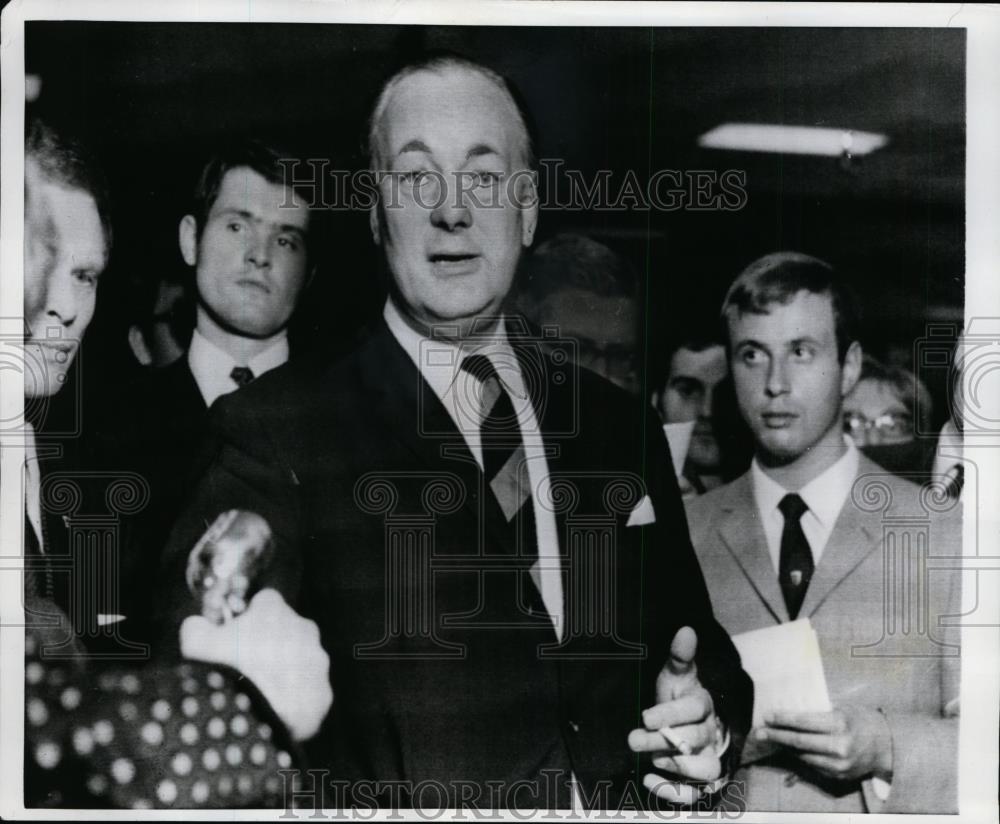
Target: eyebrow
pixel 282 227
pixel 478 150
pixel 805 339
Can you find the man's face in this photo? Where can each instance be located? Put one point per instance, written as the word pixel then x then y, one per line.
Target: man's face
pixel 251 260
pixel 689 395
pixel 789 381
pixel 448 217
pixel 604 328
pixel 875 415
pixel 64 254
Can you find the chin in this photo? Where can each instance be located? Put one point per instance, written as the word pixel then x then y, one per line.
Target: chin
pixel 781 451
pixel 456 312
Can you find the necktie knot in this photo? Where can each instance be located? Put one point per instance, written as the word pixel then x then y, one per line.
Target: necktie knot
pixel 495 410
pixel 241 375
pixel 792 507
pixel 480 367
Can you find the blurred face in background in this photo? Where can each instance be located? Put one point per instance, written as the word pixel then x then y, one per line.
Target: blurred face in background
pixel 689 395
pixel 64 254
pixel 875 415
pixel 603 329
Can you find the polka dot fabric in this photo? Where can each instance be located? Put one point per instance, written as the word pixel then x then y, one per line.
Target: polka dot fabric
pixel 146 737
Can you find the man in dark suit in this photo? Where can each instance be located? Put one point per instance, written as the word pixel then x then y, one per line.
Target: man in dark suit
pixel 103 726
pixel 247 239
pixel 815 530
pixel 494 551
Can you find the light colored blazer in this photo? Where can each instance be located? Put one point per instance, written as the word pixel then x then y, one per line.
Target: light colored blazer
pixel 880 611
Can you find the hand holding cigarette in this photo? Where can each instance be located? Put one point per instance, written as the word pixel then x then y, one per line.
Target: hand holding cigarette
pixel 681 732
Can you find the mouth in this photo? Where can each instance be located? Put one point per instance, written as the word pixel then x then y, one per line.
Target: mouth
pixel 254 285
pixel 60 350
pixel 778 420
pixel 454 263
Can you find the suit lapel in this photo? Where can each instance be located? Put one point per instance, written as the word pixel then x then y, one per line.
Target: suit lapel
pixel 415 416
pixel 855 536
pixel 743 535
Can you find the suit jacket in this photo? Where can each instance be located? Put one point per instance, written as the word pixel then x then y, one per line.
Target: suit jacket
pixel 444 664
pixel 154 433
pixel 861 605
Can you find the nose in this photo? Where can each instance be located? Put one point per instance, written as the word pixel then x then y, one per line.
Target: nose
pixel 705 412
pixel 258 249
pixel 777 378
pixel 872 437
pixel 61 301
pixel 450 210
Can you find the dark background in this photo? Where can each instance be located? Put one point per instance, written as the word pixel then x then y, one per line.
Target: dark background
pixel 155 98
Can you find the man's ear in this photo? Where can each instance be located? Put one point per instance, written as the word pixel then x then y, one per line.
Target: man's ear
pixel 852 369
pixel 187 236
pixel 526 197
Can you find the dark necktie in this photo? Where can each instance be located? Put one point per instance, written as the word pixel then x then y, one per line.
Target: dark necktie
pixel 241 375
pixel 796 565
pixel 504 465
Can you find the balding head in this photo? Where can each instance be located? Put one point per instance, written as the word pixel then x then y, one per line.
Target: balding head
pixel 443 65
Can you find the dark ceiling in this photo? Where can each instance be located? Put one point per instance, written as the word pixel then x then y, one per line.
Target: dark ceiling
pixel 155 97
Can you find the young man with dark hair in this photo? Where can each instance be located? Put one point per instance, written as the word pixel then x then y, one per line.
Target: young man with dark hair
pixel 696 388
pixel 246 237
pixel 807 533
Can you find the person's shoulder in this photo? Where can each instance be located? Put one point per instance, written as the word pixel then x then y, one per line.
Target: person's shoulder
pixel 702 508
pixel 898 497
pixel 296 391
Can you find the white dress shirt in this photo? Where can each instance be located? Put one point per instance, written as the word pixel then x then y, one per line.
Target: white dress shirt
pixel 211 366
pixel 824 495
pixel 32 485
pixel 439 363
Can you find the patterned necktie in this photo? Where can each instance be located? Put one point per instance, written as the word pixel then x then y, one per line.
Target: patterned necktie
pixel 795 568
pixel 504 465
pixel 241 375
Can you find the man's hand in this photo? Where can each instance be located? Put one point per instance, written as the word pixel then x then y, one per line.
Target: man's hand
pixel 852 742
pixel 278 650
pixel 686 707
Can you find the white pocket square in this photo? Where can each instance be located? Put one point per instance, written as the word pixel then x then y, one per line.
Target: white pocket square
pixel 643 513
pixel 105 620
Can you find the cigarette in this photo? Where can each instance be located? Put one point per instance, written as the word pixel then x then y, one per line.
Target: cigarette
pixel 675 741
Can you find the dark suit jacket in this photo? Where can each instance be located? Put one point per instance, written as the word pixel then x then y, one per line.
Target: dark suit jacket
pixel 153 428
pixel 386 539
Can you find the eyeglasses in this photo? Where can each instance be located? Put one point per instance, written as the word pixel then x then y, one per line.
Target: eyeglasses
pixel 891 424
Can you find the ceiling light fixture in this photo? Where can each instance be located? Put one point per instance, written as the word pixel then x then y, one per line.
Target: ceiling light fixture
pixel 803 140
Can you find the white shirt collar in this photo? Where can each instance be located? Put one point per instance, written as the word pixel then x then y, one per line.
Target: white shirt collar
pixel 211 365
pixel 32 484
pixel 439 360
pixel 824 495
